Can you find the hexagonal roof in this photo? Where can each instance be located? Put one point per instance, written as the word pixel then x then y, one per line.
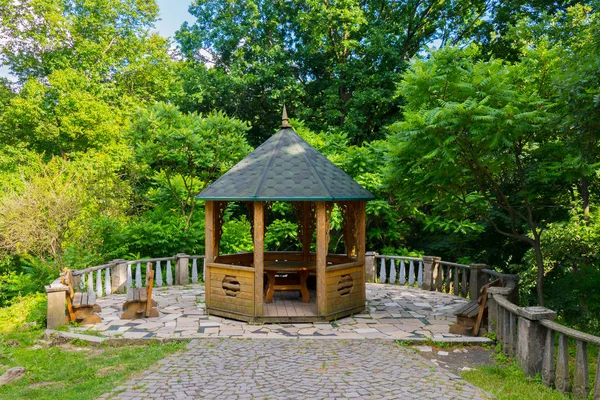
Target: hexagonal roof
pixel 285 167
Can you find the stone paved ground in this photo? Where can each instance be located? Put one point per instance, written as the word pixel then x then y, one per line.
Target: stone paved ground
pixel 393 312
pixel 284 369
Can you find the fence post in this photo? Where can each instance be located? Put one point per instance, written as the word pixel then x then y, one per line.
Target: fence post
pixel 55 314
pixel 477 280
pixel 493 306
pixel 118 275
pixel 370 270
pixel 532 338
pixel 429 264
pixel 182 273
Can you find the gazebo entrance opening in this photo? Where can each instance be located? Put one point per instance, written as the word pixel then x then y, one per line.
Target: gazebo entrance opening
pixel 306 285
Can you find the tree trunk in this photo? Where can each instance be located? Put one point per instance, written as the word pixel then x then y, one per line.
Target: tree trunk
pixel 585 198
pixel 539 261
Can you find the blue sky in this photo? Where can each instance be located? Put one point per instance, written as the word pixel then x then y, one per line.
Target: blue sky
pixel 172 15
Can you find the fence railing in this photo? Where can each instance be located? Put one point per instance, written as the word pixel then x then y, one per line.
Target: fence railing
pixel 393 270
pixel 529 334
pixel 431 273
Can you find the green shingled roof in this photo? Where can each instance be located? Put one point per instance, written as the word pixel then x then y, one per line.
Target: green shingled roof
pixel 285 167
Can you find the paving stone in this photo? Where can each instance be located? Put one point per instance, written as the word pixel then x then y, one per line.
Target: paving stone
pixel 283 369
pixel 392 312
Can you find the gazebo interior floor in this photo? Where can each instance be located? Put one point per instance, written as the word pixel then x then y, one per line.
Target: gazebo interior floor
pixel 289 304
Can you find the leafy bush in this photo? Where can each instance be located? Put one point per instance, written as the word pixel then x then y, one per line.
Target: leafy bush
pixel 24 309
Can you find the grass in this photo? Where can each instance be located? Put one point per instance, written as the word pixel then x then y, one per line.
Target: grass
pixel 74 370
pixel 508 382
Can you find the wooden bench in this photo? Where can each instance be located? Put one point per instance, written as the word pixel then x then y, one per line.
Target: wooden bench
pixel 139 302
pixel 470 317
pixel 81 307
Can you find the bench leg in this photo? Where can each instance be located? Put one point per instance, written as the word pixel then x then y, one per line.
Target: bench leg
pixel 270 286
pixel 303 288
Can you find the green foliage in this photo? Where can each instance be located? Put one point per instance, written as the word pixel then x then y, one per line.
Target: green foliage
pixel 23 309
pixel 334 64
pixel 60 371
pixel 182 153
pixel 507 381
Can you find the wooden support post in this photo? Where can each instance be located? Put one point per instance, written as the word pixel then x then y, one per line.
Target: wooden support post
pixel 321 262
pixel 209 245
pixel 259 257
pixel 306 231
pixel 361 244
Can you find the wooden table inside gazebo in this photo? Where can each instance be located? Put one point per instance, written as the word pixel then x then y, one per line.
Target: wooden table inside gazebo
pixel 286 168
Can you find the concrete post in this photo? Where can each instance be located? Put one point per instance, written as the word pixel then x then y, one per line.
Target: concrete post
pixel 182 273
pixel 532 338
pixel 429 264
pixel 477 280
pixel 370 269
pixel 56 311
pixel 493 306
pixel 118 276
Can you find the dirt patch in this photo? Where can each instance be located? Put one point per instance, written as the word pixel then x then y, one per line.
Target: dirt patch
pixel 109 370
pixel 457 359
pixel 46 384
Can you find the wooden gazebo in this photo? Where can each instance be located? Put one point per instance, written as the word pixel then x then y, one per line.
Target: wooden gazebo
pixel 242 286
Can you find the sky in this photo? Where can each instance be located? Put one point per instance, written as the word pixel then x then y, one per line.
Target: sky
pixel 172 15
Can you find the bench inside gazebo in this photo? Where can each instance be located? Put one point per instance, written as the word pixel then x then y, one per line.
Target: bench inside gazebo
pixel 265 286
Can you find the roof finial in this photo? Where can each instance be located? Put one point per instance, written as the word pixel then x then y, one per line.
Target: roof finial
pixel 285 123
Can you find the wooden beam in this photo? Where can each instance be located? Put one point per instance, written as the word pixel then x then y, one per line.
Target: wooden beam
pixel 209 245
pixel 321 261
pixel 259 257
pixel 361 239
pixel 306 231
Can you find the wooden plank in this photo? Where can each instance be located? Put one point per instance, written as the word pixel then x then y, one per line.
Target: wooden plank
pixel 77 300
pixel 233 269
pixel 149 284
pixel 348 268
pixel 233 300
pixel 231 308
pixel 356 275
pixel 244 309
pixel 333 288
pixel 209 239
pixel 243 280
pixel 321 261
pixel 84 300
pixel 249 295
pixel 259 257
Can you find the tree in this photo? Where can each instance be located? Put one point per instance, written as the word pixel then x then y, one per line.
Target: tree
pixel 93 36
pixel 184 152
pixel 478 137
pixel 335 62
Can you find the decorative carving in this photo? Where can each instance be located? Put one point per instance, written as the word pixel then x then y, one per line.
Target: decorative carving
pixel 231 286
pixel 267 207
pixel 328 210
pixel 306 223
pixel 345 285
pixel 350 211
pixel 220 207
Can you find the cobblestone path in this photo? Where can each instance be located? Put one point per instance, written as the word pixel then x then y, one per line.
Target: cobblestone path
pixel 393 312
pixel 292 369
